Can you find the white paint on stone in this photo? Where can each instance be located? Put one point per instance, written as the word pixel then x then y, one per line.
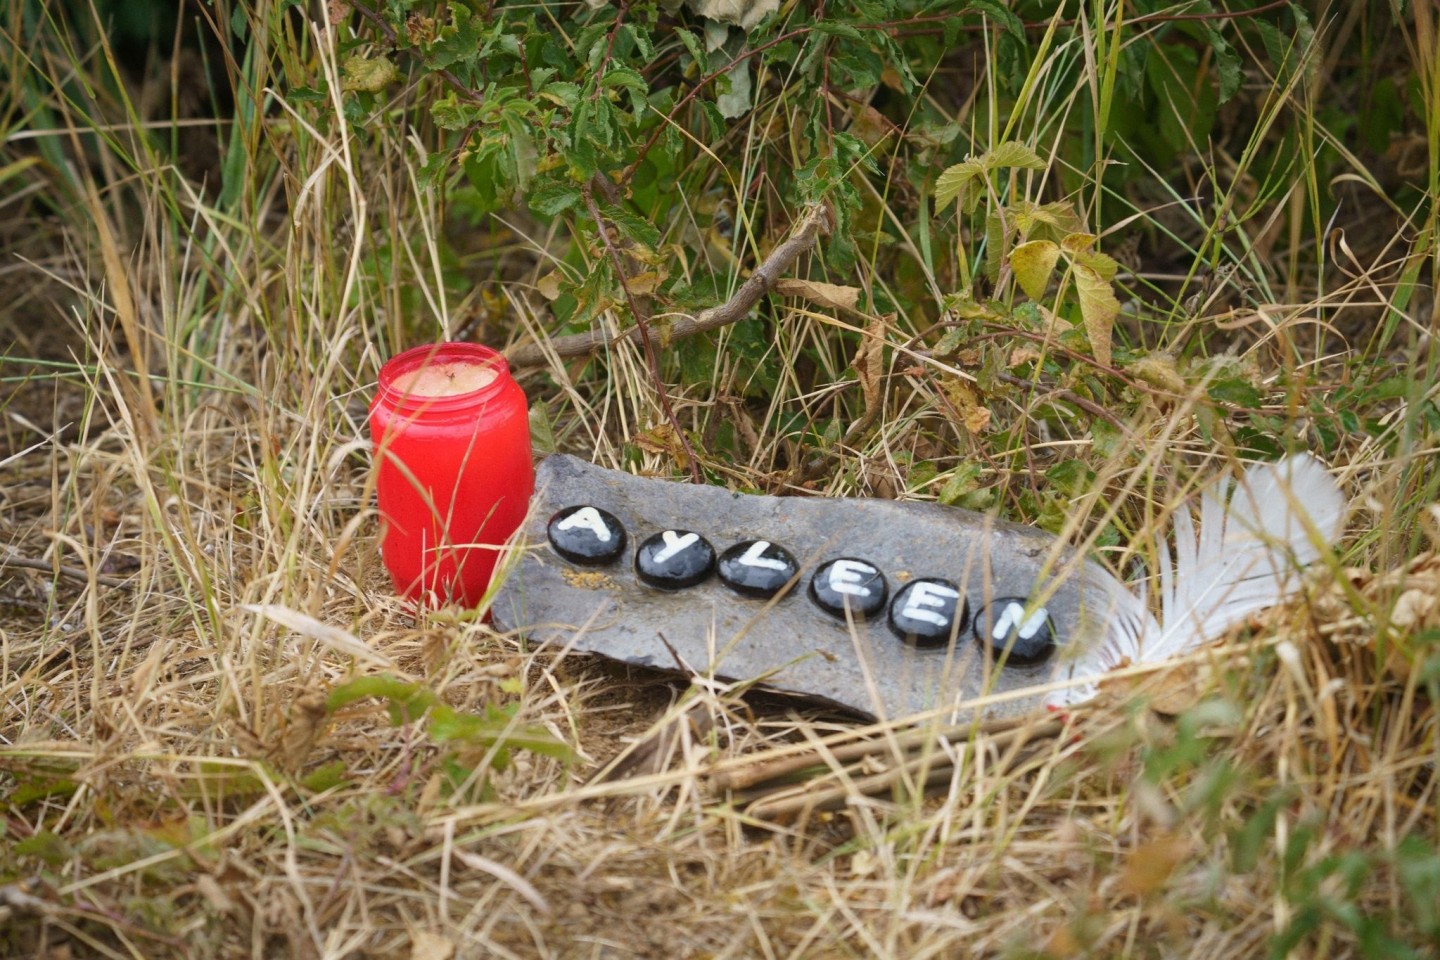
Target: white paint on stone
pixel 1012 615
pixel 924 599
pixel 846 576
pixel 674 544
pixel 754 557
pixel 590 519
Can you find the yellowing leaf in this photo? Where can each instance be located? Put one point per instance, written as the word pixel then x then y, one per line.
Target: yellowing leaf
pixel 1098 307
pixel 826 294
pixel 367 74
pixel 1158 370
pixel 1049 221
pixel 1078 242
pixel 1104 265
pixel 646 283
pixel 549 285
pixel 1033 263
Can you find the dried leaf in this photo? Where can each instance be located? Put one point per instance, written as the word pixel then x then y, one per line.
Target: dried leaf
pixel 826 294
pixel 870 361
pixel 971 412
pixel 1414 609
pixel 1150 864
pixel 743 13
pixel 431 946
pixel 1099 308
pixel 1022 354
pixel 1033 264
pixel 341 641
pixel 505 875
pixel 304 723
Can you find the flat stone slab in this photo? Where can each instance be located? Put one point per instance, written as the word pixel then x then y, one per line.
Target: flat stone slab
pixel 1015 581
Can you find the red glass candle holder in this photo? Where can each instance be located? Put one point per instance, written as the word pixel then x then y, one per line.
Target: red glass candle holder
pixel 451 438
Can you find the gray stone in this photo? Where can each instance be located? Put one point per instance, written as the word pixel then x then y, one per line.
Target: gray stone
pixel 787 643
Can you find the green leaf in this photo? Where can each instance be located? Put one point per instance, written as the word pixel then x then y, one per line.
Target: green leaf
pixel 734 102
pixel 1006 18
pixel 554 197
pixel 1071 477
pixel 963 486
pixel 449 113
pixel 565 94
pixel 325 777
pixel 634 227
pixel 1033 264
pixel 1185 95
pixel 408 699
pixel 994 245
pixel 457 40
pixel 1012 154
pixel 630 80
pixel 1227 63
pixel 1098 307
pixel 45 844
pixel 1235 392
pixel 692 44
pixel 953 180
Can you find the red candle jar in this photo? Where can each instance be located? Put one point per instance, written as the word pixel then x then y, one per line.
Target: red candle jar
pixel 452 442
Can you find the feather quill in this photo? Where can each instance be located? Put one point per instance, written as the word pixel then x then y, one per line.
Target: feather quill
pixel 1256 533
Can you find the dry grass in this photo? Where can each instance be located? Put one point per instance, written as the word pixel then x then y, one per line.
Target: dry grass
pixel 183 437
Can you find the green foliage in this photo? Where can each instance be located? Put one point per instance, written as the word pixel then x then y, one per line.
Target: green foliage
pixel 493 734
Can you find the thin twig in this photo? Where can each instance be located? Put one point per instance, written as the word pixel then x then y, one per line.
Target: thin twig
pixel 920 757
pixel 642 324
pixel 753 771
pixel 60 570
pixel 761 280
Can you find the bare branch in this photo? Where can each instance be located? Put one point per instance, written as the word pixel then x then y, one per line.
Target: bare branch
pixel 807 231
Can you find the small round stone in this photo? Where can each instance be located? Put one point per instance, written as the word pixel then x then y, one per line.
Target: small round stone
pixel 757 568
pixel 851 582
pixel 928 612
pixel 1006 630
pixel 674 559
pixel 588 535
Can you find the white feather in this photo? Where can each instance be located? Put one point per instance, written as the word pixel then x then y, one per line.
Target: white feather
pixel 1255 535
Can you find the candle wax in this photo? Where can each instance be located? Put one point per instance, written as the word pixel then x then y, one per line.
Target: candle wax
pixel 446 379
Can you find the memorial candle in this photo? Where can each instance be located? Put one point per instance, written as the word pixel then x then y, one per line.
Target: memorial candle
pixel 454 468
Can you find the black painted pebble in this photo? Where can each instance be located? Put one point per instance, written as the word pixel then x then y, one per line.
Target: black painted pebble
pixel 674 559
pixel 849 581
pixel 928 612
pixel 1005 630
pixel 757 568
pixel 587 535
